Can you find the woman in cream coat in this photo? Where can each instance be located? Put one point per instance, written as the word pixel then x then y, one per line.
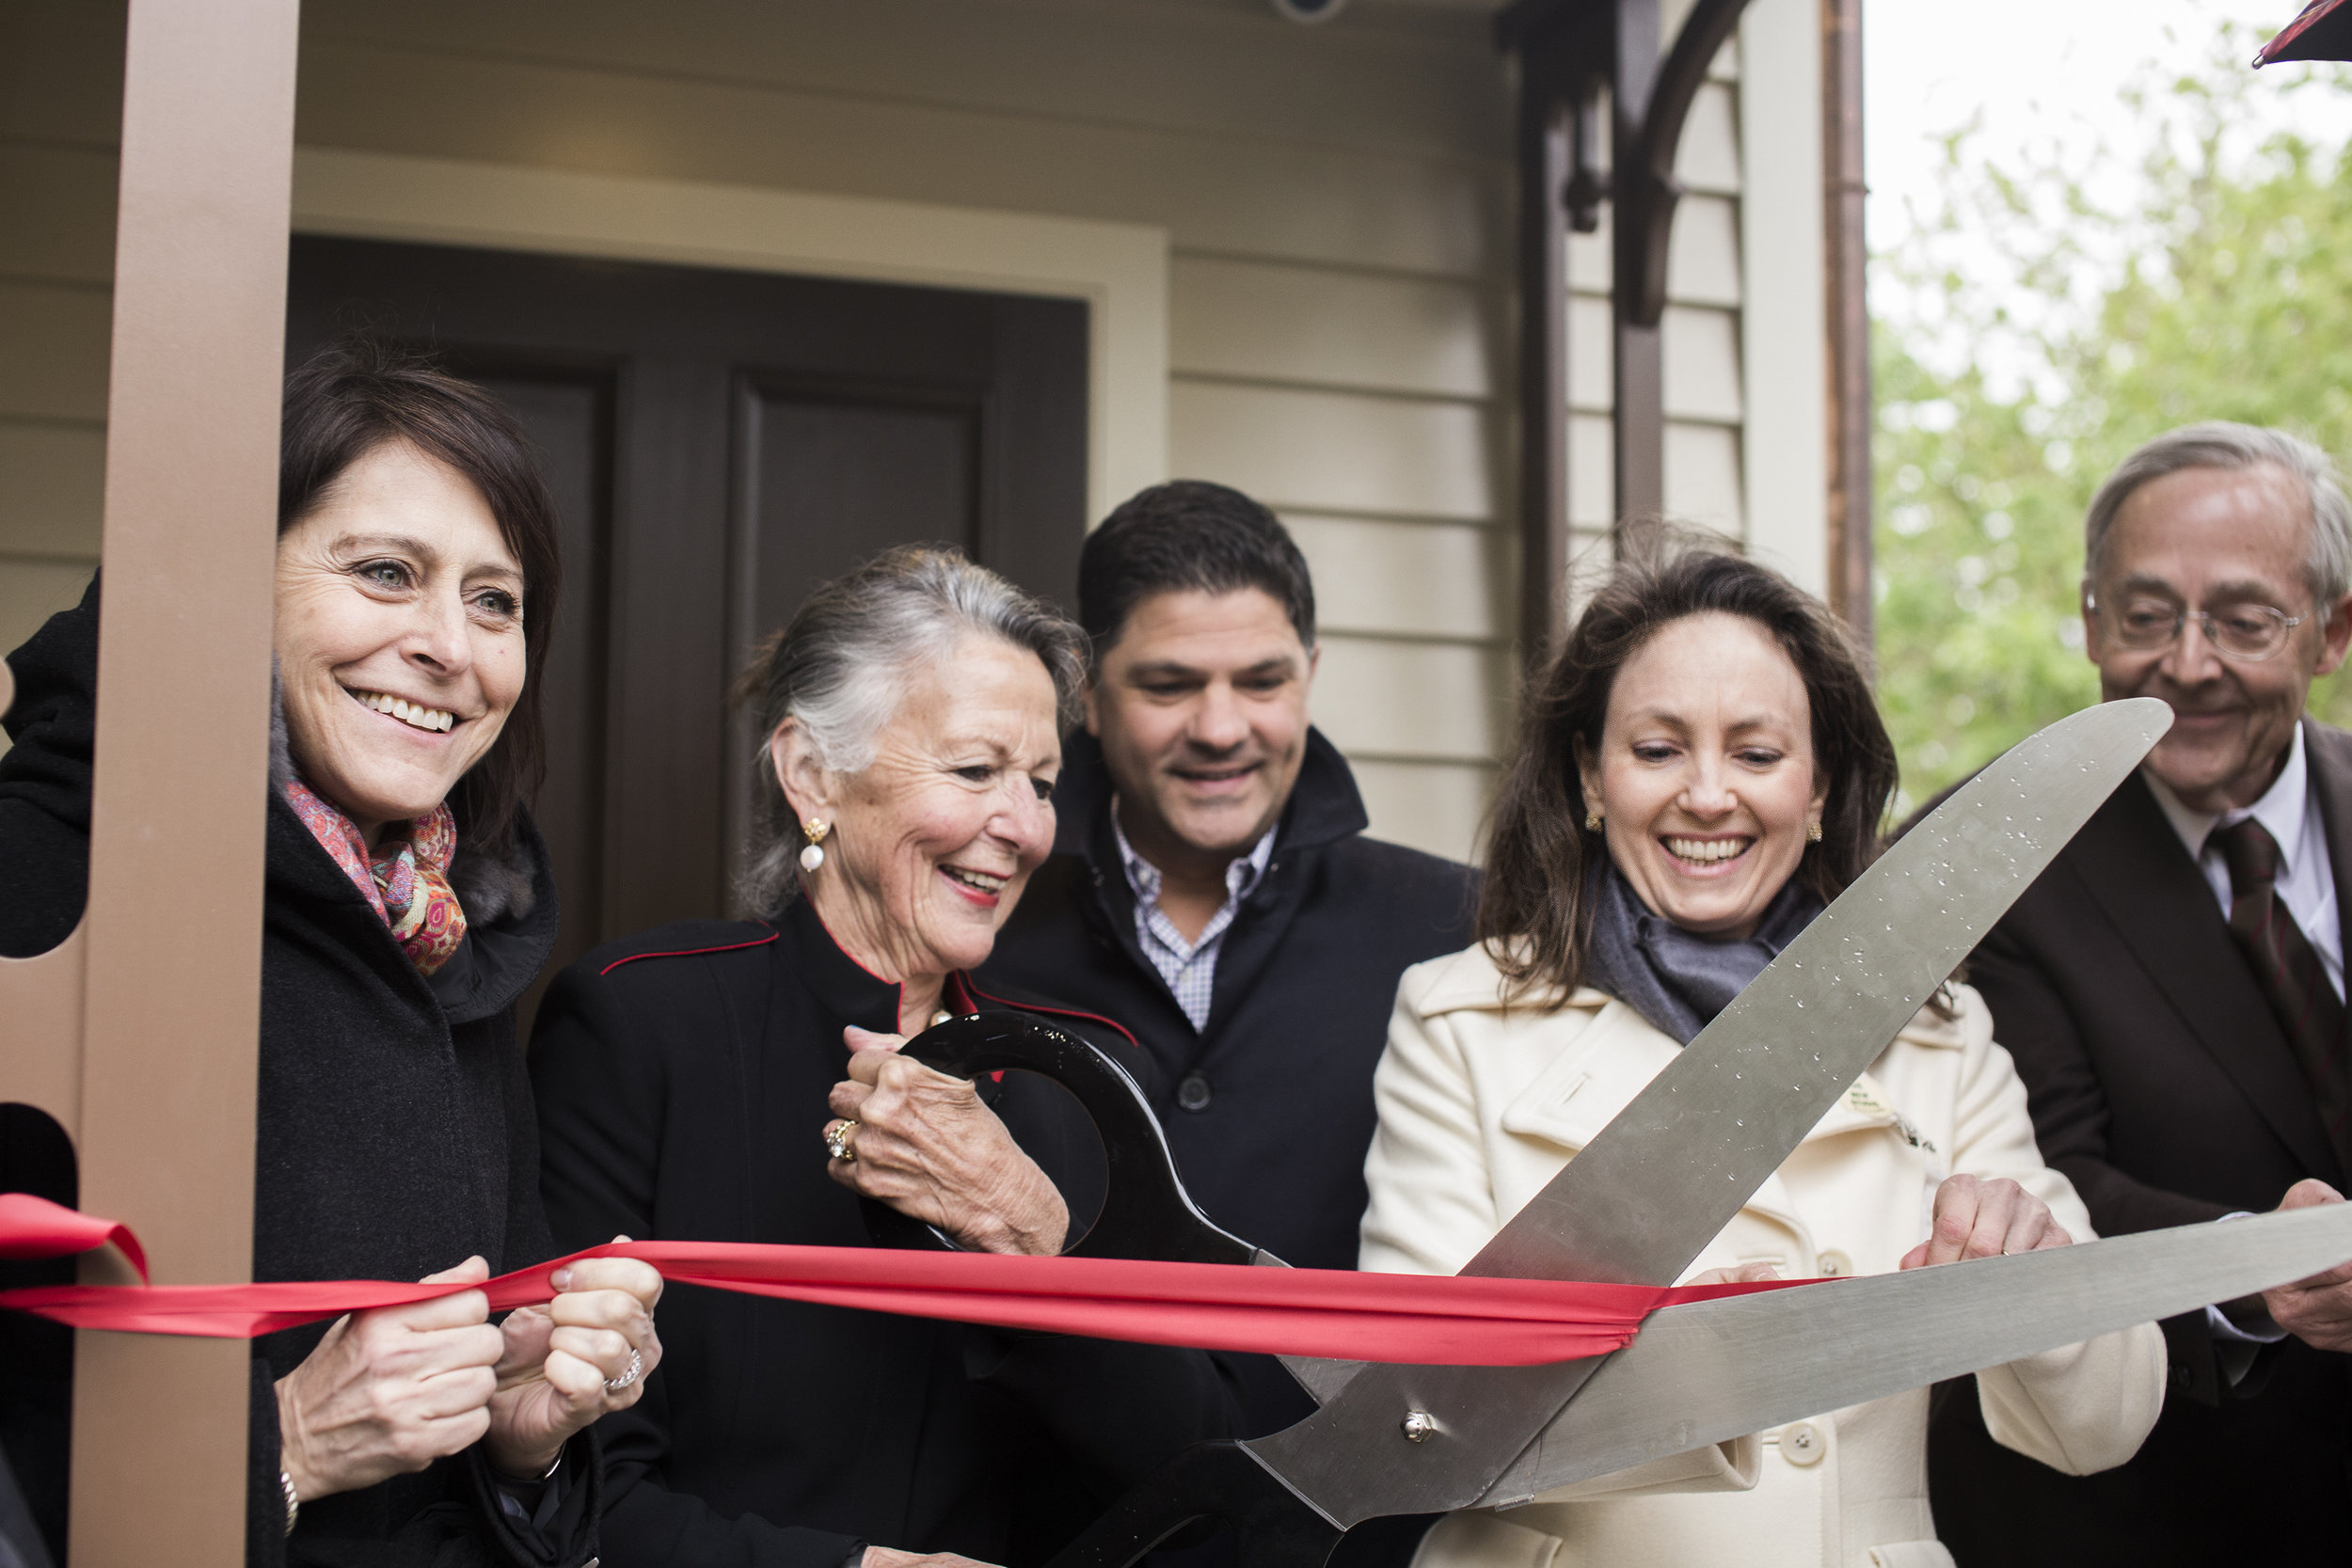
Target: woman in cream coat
pixel 1714 730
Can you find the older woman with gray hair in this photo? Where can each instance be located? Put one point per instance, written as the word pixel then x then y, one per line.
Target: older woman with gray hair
pixel 737 1081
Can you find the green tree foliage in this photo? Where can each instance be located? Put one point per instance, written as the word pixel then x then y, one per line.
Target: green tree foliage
pixel 2219 288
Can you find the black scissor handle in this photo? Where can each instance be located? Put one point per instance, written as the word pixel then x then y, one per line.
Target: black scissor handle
pixel 1145 1211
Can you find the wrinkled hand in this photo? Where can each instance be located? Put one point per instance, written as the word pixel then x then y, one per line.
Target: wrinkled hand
pixel 891 1557
pixel 1741 1273
pixel 556 1359
pixel 2317 1310
pixel 390 1390
pixel 929 1146
pixel 1976 1218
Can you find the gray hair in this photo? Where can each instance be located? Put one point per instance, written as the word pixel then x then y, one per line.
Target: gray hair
pixel 841 668
pixel 2220 443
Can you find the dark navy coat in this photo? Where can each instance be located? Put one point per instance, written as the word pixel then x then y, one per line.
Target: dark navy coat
pixel 1270 1110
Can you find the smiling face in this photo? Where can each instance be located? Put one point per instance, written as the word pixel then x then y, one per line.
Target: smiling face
pixel 2215 540
pixel 1201 710
pixel 933 840
pixel 399 636
pixel 1705 777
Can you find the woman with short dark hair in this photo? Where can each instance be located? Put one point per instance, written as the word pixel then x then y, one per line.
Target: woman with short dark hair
pixel 407 906
pixel 1701 769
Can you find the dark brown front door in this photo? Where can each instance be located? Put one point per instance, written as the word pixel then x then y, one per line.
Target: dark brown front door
pixel 720 442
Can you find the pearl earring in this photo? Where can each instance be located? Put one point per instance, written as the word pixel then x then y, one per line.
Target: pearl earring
pixel 813 857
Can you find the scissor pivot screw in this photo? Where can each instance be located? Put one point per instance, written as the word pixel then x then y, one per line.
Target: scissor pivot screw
pixel 1418 1426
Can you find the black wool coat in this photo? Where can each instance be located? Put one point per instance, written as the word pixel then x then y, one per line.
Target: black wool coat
pixel 1270 1111
pixel 394 1134
pixel 682 1077
pixel 2163 1087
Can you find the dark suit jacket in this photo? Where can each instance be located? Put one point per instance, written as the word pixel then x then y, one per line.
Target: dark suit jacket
pixel 682 1077
pixel 2164 1088
pixel 1271 1137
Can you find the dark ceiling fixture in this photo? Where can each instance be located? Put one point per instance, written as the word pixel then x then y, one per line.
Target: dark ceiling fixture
pixel 2323 32
pixel 1308 12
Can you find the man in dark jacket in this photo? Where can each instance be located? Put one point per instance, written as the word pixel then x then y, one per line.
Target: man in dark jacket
pixel 1211 888
pixel 2172 991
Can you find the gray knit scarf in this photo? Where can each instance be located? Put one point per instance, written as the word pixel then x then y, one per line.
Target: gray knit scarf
pixel 1675 978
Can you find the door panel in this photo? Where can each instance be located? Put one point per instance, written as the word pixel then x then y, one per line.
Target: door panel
pixel 719 443
pixel 567 420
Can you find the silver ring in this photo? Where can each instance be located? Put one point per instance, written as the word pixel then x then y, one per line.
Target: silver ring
pixel 837 1143
pixel 636 1365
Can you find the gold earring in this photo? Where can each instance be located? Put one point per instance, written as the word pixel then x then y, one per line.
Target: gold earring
pixel 813 857
pixel 1813 833
pixel 1592 821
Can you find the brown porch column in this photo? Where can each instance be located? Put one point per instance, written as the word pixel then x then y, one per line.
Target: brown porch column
pixel 1851 414
pixel 171 1000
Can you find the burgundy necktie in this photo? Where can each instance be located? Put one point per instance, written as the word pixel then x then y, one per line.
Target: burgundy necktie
pixel 2291 973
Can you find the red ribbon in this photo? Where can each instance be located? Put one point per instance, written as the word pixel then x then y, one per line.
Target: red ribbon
pixel 1433 1319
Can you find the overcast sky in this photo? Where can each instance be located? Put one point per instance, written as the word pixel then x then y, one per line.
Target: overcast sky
pixel 2035 68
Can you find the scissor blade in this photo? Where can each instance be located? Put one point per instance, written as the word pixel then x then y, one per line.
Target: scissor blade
pixel 1718 1370
pixel 1671 1170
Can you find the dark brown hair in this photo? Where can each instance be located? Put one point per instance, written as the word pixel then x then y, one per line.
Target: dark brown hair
pixel 1535 910
pixel 1188 533
pixel 358 393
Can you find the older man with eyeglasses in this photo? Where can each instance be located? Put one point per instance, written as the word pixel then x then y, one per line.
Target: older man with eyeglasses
pixel 2172 989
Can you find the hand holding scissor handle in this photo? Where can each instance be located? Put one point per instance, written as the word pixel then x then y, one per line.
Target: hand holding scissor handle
pixel 1146 1212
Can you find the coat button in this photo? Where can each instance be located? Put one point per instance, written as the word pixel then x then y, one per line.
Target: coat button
pixel 1804 1444
pixel 1192 1092
pixel 1834 1265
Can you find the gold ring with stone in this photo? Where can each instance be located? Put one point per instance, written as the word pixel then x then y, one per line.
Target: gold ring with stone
pixel 837 1143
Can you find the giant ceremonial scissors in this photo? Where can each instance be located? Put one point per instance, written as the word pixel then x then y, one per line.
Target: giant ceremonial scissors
pixel 1640 1202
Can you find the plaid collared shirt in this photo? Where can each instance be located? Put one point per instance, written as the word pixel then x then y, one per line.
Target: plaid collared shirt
pixel 1188 967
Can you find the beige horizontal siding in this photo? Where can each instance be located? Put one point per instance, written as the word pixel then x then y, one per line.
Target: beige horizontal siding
pixel 1702 253
pixel 1708 158
pixel 1292 202
pixel 1244 319
pixel 1327 452
pixel 1439 702
pixel 1701 350
pixel 1228 72
pixel 1703 480
pixel 1407 579
pixel 1440 808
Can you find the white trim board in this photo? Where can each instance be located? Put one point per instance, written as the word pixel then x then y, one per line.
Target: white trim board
pixel 1120 269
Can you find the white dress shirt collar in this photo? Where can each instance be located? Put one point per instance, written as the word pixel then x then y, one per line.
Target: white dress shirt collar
pixel 2282 809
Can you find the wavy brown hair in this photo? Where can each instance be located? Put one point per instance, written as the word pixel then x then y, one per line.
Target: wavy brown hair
pixel 1535 908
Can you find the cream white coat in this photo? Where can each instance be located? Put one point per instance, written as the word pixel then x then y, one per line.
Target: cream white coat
pixel 1479 1108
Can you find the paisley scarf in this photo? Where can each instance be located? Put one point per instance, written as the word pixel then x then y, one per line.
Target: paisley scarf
pixel 406 881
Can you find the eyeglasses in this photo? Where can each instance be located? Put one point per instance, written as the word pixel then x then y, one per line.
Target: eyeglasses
pixel 2251 632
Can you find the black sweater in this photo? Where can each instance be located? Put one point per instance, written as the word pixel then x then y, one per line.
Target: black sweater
pixel 394 1135
pixel 682 1077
